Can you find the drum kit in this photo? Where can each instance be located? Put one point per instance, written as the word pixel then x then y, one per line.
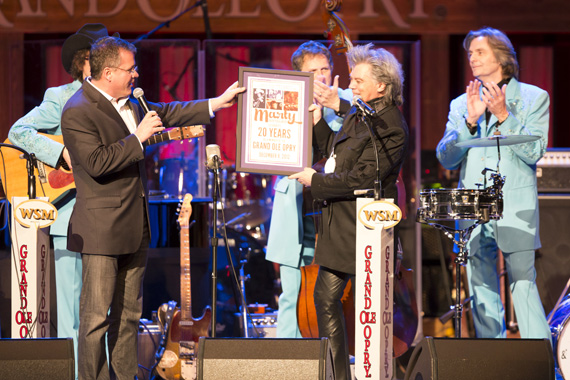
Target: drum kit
pixel 438 207
pixel 558 320
pixel 247 200
pixel 246 197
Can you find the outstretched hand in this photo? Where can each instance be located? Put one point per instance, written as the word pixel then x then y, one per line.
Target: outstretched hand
pixel 228 98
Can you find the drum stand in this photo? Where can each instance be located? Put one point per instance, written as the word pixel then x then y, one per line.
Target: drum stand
pixel 242 279
pixel 460 260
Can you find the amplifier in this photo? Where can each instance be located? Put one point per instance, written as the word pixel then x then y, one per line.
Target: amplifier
pixel 553 171
pixel 265 325
pixel 148 341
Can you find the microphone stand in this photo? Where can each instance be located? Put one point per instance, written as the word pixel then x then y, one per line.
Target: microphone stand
pixel 31 157
pixel 377 190
pixel 172 89
pixel 31 176
pixel 214 243
pixel 204 5
pixel 242 278
pixel 167 22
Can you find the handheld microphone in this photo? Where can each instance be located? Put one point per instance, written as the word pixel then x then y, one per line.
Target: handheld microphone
pixel 138 93
pixel 213 157
pixel 363 106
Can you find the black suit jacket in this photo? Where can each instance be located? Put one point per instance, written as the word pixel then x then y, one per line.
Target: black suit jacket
pixel 355 169
pixel 108 166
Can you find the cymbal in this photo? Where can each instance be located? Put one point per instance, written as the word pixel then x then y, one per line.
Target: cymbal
pixel 492 141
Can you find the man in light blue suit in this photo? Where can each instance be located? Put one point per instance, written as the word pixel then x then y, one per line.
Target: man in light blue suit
pixel 46 118
pixel 291 241
pixel 497 101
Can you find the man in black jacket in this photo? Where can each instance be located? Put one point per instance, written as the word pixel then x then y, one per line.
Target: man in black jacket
pixel 377 78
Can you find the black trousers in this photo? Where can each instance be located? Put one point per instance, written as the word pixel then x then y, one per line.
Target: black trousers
pixel 329 289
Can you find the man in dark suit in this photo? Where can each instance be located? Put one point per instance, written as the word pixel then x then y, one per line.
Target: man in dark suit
pixel 377 78
pixel 104 129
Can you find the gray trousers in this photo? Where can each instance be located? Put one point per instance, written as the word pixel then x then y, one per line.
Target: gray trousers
pixel 111 304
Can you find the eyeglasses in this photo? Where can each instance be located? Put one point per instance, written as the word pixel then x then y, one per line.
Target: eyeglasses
pixel 130 71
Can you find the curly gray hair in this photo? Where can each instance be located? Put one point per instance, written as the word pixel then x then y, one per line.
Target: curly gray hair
pixel 385 68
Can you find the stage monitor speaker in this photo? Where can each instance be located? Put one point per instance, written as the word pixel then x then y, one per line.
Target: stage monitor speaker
pixel 474 359
pixel 553 259
pixel 37 359
pixel 266 358
pixel 149 339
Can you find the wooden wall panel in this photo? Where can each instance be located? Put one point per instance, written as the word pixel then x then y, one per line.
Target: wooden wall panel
pixel 11 81
pixel 435 88
pixel 291 16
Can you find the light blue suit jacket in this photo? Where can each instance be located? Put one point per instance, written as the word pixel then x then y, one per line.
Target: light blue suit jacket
pixel 529 115
pixel 286 233
pixel 46 118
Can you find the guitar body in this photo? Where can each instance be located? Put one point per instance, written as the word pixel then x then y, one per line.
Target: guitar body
pixel 180 355
pixel 50 182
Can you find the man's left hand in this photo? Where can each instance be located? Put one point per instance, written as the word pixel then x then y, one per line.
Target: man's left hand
pixel 228 98
pixel 304 177
pixel 317 112
pixel 327 96
pixel 494 98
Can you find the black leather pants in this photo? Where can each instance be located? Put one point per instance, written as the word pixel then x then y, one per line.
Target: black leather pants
pixel 329 289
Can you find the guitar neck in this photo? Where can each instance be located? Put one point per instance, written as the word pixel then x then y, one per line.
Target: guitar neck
pixel 181 133
pixel 185 278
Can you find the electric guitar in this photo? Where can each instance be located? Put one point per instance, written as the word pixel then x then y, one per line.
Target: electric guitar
pixel 55 183
pixel 180 356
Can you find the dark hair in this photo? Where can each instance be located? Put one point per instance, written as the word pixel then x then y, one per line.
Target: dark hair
pixel 105 52
pixel 310 48
pixel 384 68
pixel 77 64
pixel 501 47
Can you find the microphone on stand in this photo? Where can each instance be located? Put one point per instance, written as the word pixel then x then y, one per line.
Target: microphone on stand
pixel 31 176
pixel 363 106
pixel 213 163
pixel 369 113
pixel 138 93
pixel 213 157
